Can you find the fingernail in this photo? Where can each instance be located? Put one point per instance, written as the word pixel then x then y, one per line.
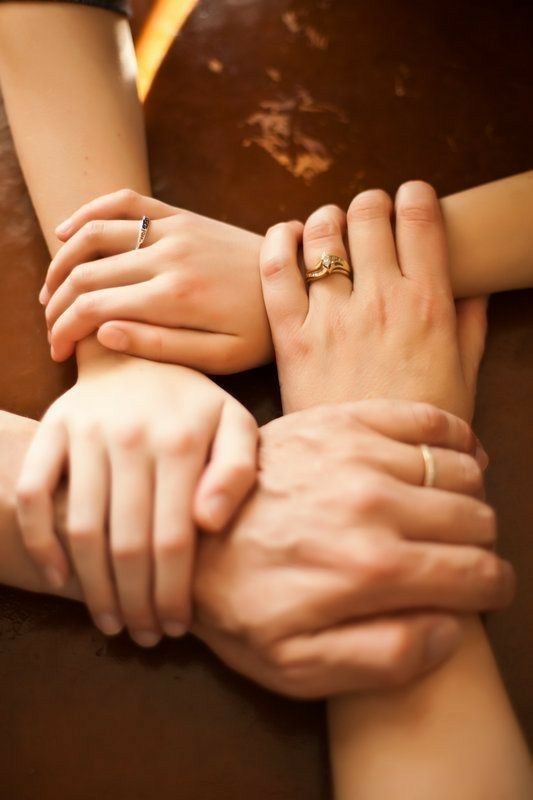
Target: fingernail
pixel 481 456
pixel 108 624
pixel 145 638
pixel 44 295
pixel 63 228
pixel 115 339
pixel 173 628
pixel 54 577
pixel 442 642
pixel 216 509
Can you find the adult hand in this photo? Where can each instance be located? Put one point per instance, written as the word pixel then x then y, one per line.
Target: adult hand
pixel 395 332
pixel 191 295
pixel 341 572
pixel 150 450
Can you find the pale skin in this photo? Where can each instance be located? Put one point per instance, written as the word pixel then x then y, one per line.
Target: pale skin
pixel 453 733
pixel 67 159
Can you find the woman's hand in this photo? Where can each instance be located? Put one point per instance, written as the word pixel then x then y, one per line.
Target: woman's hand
pixel 150 450
pixel 395 332
pixel 191 295
pixel 342 572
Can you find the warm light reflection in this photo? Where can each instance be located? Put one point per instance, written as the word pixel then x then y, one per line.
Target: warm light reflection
pixel 158 33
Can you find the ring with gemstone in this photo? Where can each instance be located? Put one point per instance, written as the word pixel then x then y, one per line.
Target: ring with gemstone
pixel 144 224
pixel 329 265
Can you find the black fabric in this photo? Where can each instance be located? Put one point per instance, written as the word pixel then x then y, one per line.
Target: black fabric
pixel 120 6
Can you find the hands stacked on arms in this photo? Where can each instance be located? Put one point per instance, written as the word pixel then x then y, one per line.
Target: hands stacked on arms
pixel 307 554
pixel 330 567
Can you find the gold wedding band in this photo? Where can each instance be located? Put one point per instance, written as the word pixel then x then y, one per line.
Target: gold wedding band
pixel 329 265
pixel 430 467
pixel 144 224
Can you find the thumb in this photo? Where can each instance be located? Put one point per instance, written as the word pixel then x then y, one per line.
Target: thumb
pixel 471 333
pixel 201 350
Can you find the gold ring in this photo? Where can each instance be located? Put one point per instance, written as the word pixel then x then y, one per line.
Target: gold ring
pixel 144 224
pixel 329 265
pixel 430 467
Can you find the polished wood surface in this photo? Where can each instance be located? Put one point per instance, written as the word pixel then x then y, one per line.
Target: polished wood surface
pixel 263 110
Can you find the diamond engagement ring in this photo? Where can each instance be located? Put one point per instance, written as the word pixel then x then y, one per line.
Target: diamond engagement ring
pixel 329 265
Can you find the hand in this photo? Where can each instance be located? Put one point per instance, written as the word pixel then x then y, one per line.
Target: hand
pixel 150 449
pixel 191 295
pixel 341 573
pixel 396 332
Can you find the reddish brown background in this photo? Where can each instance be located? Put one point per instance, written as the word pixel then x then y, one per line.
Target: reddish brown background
pixel 263 110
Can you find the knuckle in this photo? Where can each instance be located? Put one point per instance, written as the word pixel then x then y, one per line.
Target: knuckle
pixel 369 496
pixel 80 276
pixel 94 229
pixel 369 205
pixel 432 421
pixel 398 668
pixel 173 545
pixel 470 474
pixel 421 210
pixel 129 435
pixel 240 471
pixel 179 443
pixel 181 286
pixel 274 265
pixel 81 535
pixel 278 228
pixel 126 196
pixel 29 492
pixel 125 552
pixel 85 306
pixel 323 224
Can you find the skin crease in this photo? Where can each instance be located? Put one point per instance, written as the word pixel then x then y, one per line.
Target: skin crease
pixel 452 733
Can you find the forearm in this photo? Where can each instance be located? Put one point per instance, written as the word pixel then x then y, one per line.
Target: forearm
pixel 490 236
pixel 68 75
pixel 452 734
pixel 73 108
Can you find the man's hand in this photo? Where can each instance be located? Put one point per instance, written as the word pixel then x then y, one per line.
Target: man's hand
pixel 339 531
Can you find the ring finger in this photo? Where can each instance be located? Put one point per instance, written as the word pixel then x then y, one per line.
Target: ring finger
pixel 323 235
pixel 453 471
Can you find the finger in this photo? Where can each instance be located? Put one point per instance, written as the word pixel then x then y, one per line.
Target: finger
pixel 414 423
pixel 94 240
pixel 371 238
pixel 86 528
pixel 39 478
pixel 323 235
pixel 90 310
pixel 442 516
pixel 365 655
pixel 232 469
pixel 471 332
pixel 420 237
pixel 106 273
pixel 214 353
pixel 124 204
pixel 180 462
pixel 454 472
pixel 131 536
pixel 396 577
pixel 284 292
